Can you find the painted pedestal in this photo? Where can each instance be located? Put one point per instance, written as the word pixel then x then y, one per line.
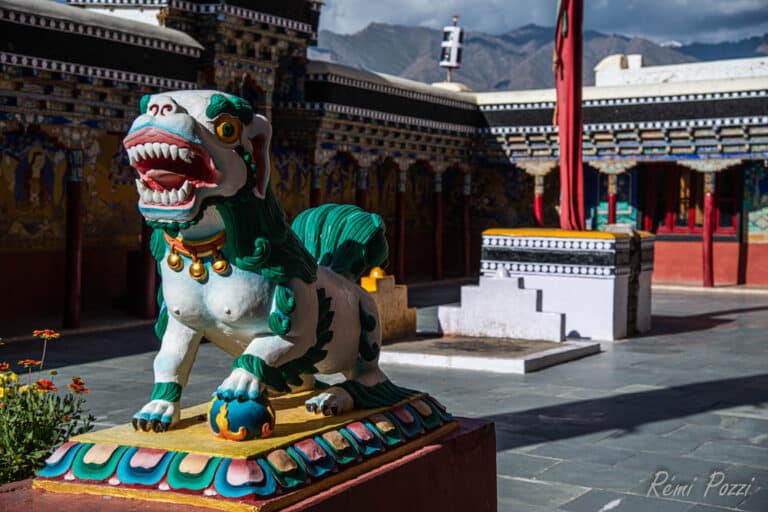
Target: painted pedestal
pixel 551 284
pixel 305 455
pixel 397 319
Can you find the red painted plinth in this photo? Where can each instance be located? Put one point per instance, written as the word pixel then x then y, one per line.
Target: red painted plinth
pixel 400 238
pixel 456 473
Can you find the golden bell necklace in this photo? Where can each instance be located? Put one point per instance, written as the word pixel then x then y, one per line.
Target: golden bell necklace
pixel 196 250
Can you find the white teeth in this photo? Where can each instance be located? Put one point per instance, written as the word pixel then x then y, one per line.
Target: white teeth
pixel 157 149
pixel 164 149
pixel 173 197
pixel 156 196
pixel 149 149
pixel 165 197
pixel 146 195
pixel 140 186
pixel 174 151
pixel 141 153
pixel 184 154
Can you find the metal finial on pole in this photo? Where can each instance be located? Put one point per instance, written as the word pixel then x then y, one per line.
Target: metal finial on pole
pixel 453 41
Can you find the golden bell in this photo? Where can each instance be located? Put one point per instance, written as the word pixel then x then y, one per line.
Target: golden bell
pixel 197 271
pixel 175 262
pixel 220 265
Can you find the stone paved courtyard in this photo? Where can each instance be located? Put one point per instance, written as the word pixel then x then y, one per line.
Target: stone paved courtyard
pixel 684 406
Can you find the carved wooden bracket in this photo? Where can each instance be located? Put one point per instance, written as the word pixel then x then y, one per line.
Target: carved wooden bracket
pixel 710 164
pixel 537 167
pixel 613 167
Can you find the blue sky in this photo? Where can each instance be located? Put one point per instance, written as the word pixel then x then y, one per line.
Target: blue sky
pixel 658 20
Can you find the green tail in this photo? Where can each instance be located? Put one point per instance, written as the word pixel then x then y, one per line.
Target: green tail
pixel 343 237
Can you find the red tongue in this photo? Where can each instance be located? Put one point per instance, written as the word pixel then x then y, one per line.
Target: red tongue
pixel 164 180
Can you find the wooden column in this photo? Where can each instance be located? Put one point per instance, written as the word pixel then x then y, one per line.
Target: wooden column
pixel 314 191
pixel 402 178
pixel 612 168
pixel 709 167
pixel 361 190
pixel 466 222
pixel 708 230
pixel 149 271
pixel 74 241
pixel 538 199
pixel 437 260
pixel 612 179
pixel 538 169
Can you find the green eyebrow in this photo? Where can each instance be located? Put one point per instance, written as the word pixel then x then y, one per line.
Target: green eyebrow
pixel 234 106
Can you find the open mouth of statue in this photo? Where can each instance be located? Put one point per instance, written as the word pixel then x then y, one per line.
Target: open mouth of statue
pixel 171 168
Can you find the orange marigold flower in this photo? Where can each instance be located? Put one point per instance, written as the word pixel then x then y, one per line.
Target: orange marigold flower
pixel 77 381
pixel 26 363
pixel 4 367
pixel 78 389
pixel 44 386
pixel 46 334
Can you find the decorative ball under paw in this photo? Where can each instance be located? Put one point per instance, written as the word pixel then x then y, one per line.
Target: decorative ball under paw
pixel 241 421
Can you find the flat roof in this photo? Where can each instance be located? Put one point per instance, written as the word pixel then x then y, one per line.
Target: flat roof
pixel 85 17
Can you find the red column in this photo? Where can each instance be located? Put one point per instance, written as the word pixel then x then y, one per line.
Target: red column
pixel 74 242
pixel 149 268
pixel 467 223
pixel 437 267
pixel 361 192
pixel 708 229
pixel 314 191
pixel 400 227
pixel 538 199
pixel 612 198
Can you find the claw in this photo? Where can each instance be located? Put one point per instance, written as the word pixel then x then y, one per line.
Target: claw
pixel 135 423
pixel 326 410
pixel 160 426
pixel 143 424
pixel 155 424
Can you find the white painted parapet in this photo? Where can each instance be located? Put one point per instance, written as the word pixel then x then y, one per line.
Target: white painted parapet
pixel 499 307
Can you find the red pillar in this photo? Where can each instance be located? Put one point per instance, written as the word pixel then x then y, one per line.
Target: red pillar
pixel 466 224
pixel 708 229
pixel 74 242
pixel 612 198
pixel 437 268
pixel 400 227
pixel 149 268
pixel 538 200
pixel 314 191
pixel 361 192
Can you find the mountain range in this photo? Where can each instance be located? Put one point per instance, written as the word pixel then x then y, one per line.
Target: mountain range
pixel 519 59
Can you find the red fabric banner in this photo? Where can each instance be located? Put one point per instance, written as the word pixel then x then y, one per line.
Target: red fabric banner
pixel 567 67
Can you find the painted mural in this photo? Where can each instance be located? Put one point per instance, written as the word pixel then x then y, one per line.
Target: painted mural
pixel 33 170
pixel 502 196
pixel 382 191
pixel 291 180
pixel 33 178
pixel 756 201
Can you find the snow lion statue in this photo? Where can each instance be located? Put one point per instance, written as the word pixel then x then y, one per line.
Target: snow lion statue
pixel 283 301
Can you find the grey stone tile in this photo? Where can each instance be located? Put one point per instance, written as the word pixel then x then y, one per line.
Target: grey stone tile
pixel 733 452
pixel 755 502
pixel 603 501
pixel 589 474
pixel 651 443
pixel 570 450
pixel 511 463
pixel 535 492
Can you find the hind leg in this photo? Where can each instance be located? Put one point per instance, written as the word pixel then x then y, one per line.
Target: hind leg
pixel 346 396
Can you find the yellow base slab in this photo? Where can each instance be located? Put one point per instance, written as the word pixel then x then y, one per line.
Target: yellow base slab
pixel 192 434
pixel 268 505
pixel 554 233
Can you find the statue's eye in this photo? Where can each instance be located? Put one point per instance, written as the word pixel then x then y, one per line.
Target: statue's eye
pixel 228 129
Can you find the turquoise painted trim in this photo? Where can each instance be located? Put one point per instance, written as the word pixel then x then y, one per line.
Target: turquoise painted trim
pixel 150 124
pixel 168 391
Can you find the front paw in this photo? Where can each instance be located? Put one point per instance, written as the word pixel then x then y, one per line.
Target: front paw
pixel 156 416
pixel 240 385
